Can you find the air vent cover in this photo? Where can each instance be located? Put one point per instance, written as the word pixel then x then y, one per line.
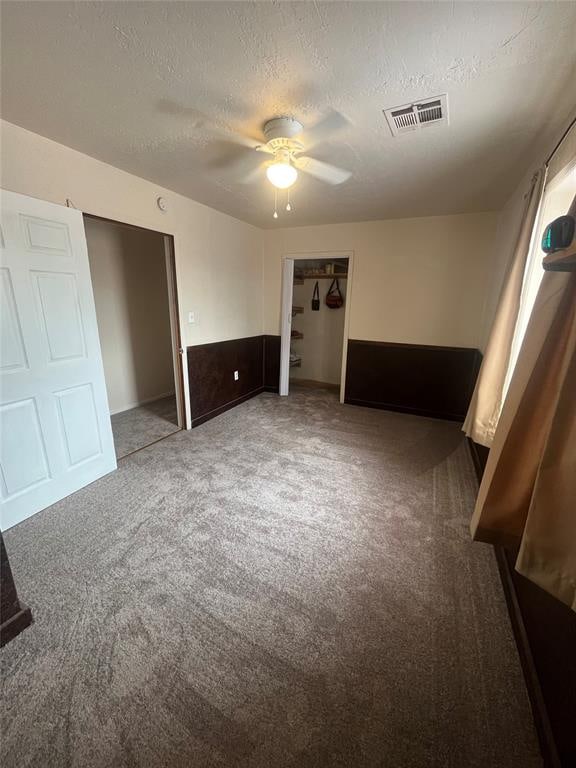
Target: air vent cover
pixel 421 114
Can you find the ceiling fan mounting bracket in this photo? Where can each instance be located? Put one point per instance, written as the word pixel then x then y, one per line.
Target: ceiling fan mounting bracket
pixel 282 128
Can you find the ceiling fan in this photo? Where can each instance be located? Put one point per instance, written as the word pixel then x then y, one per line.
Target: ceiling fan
pixel 285 142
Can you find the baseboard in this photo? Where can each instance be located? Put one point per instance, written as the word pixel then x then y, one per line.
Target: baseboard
pixel 225 407
pixel 142 402
pixel 447 416
pixel 15 624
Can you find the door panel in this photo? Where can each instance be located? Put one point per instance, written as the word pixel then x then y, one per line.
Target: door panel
pixel 22 451
pixel 12 353
pixel 79 422
pixel 54 419
pixel 44 236
pixel 59 311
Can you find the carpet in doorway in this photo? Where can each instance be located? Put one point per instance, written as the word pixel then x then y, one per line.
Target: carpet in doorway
pixel 143 425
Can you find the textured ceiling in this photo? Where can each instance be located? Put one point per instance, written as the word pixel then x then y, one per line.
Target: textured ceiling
pixel 154 88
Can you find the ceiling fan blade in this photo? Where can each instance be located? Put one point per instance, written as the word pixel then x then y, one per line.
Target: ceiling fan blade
pixel 195 120
pixel 325 128
pixel 323 171
pixel 241 163
pixel 254 174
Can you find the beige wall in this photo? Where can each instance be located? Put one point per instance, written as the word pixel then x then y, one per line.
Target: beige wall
pixel 417 281
pixel 218 258
pixel 129 281
pixel 321 347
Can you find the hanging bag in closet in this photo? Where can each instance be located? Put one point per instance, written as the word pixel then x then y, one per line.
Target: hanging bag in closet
pixel 316 298
pixel 334 298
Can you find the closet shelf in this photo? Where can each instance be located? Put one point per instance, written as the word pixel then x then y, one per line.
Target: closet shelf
pixel 311 276
pixel 297 310
pixel 296 362
pixel 295 335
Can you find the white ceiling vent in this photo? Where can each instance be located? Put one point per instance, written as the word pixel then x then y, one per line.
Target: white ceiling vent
pixel 420 114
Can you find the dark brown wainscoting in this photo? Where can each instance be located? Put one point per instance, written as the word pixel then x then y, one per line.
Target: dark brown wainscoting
pixel 14 616
pixel 545 633
pixel 271 363
pixel 479 457
pixel 425 380
pixel 211 367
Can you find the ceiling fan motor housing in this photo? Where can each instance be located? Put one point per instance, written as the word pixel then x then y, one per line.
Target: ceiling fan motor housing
pixel 282 128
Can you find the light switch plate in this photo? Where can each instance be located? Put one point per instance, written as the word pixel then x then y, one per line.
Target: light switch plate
pixel 236 375
pixel 193 318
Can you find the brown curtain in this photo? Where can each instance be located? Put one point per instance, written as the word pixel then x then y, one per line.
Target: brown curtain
pixel 528 492
pixel 486 404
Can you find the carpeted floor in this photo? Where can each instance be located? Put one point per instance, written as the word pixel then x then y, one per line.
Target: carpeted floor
pixel 291 584
pixel 141 426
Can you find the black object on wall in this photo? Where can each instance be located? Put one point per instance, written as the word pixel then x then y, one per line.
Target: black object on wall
pixel 14 616
pixel 413 378
pixel 545 633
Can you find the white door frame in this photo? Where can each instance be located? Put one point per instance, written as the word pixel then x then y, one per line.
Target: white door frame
pixel 179 355
pixel 286 324
pixel 179 358
pixel 288 260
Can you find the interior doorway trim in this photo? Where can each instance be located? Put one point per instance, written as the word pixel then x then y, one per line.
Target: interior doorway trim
pixel 288 260
pixel 179 360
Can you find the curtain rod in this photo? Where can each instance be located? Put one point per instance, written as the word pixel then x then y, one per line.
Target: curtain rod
pixel 556 148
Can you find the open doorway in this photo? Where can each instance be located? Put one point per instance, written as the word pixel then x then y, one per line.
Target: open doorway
pixel 315 322
pixel 133 281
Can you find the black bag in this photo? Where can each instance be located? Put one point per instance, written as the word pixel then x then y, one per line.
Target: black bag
pixel 334 298
pixel 316 298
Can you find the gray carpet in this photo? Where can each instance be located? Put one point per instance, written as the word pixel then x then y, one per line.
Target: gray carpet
pixel 289 585
pixel 141 426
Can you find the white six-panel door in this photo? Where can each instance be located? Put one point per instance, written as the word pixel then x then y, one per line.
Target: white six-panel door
pixel 55 434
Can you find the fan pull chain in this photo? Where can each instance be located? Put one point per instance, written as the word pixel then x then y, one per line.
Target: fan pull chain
pixel 275 203
pixel 288 206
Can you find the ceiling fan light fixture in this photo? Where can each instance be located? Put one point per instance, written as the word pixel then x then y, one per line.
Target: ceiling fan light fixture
pixel 282 175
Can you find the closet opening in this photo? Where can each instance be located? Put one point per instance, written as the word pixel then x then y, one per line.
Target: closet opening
pixel 134 285
pixel 315 294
